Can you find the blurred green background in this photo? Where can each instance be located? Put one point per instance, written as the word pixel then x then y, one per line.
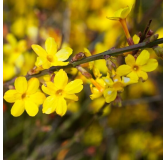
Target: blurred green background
pixel 131 132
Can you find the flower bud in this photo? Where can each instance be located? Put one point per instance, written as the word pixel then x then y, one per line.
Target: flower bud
pixel 78 56
pixel 139 34
pixel 159 51
pixel 11 87
pixel 84 72
pixel 34 70
pixel 150 33
pixel 153 37
pixel 52 77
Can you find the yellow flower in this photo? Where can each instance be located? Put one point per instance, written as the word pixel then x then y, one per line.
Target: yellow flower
pixel 114 86
pixel 121 13
pixel 26 97
pixel 13 49
pixel 50 56
pixel 59 91
pixel 137 68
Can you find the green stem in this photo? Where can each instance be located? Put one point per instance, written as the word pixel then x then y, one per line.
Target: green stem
pixel 111 52
pixel 116 52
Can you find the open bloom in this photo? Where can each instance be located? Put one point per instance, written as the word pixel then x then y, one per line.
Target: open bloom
pixel 59 91
pixel 13 52
pixel 26 97
pixel 50 56
pixel 114 86
pixel 137 68
pixel 14 47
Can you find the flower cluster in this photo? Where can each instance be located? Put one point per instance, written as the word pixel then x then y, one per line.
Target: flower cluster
pixel 27 95
pixel 125 75
pixel 56 90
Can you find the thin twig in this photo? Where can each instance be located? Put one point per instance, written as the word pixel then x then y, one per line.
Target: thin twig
pixel 143 36
pixel 145 32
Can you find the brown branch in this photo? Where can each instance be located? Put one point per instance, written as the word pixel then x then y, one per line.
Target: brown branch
pixel 114 52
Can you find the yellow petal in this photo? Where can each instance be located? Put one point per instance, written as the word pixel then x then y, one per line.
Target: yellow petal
pixel 74 86
pixel 50 104
pixel 71 97
pixel 136 39
pixel 96 72
pixel 7 48
pixel 31 108
pixel 46 64
pixel 151 65
pixel 39 51
pixel 60 79
pixel 110 95
pixel 95 95
pixel 61 107
pixel 11 39
pixel 22 45
pixel 33 85
pixel 117 15
pixel 39 62
pixel 87 52
pixel 114 18
pixel 38 98
pixel 121 13
pixel 59 63
pixel 95 92
pixel 49 89
pixel 11 96
pixel 93 89
pixel 91 64
pixel 51 46
pixel 20 84
pixel 143 58
pixel 142 74
pixel 117 78
pixel 130 60
pixel 127 81
pixel 133 75
pixel 108 81
pixel 123 70
pixel 125 11
pixel 64 53
pixel 17 108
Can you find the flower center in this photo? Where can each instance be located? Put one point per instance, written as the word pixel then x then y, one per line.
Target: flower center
pixel 59 92
pixel 135 68
pixel 117 86
pixel 16 49
pixel 24 95
pixel 50 58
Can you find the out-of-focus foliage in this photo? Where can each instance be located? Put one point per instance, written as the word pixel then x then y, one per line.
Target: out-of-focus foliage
pixel 133 131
